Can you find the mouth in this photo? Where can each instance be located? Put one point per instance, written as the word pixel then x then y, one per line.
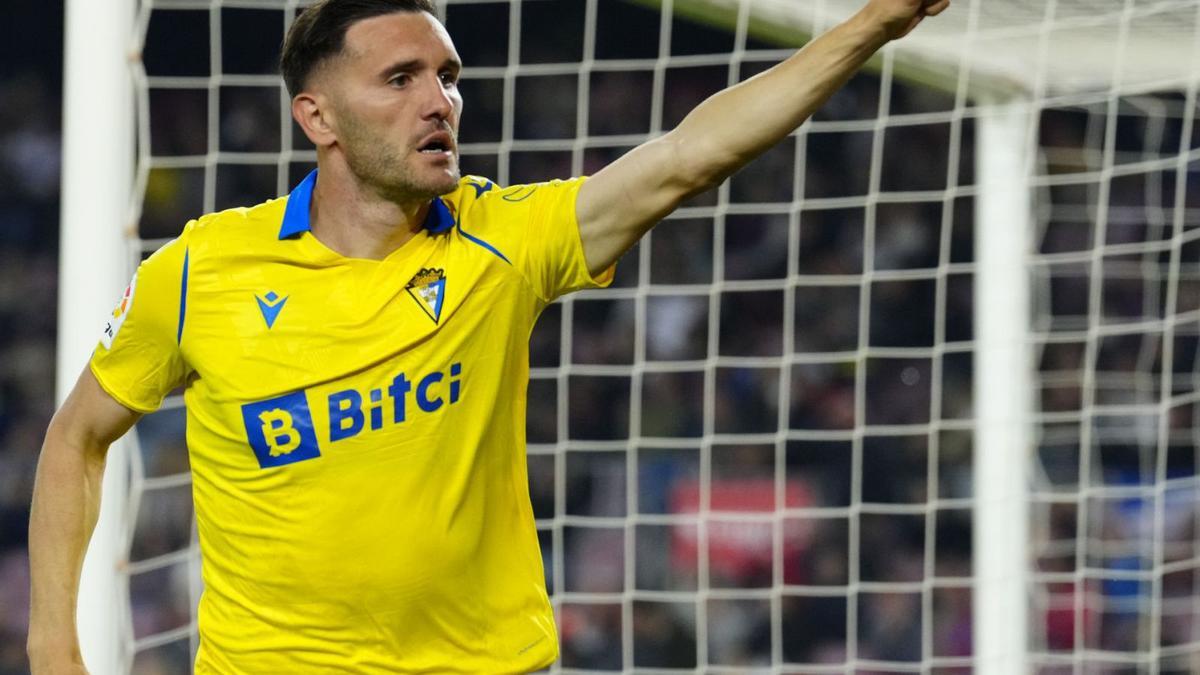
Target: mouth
pixel 438 144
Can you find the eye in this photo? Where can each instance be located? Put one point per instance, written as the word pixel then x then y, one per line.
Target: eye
pixel 400 79
pixel 448 77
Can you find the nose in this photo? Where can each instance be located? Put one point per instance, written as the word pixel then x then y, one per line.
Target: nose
pixel 439 103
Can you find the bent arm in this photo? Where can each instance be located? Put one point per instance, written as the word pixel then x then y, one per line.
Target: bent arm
pixel 721 135
pixel 66 503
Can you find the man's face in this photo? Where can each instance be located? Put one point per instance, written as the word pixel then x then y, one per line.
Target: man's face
pixel 396 106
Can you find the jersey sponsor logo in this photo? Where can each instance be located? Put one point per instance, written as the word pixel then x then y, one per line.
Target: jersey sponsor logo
pixel 351 412
pixel 113 325
pixel 270 306
pixel 428 288
pixel 280 430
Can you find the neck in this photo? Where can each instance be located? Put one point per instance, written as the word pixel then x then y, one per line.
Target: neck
pixel 356 221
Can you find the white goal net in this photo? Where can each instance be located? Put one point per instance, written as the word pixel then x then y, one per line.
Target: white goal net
pixel 820 402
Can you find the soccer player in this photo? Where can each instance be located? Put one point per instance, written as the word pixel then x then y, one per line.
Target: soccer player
pixel 354 359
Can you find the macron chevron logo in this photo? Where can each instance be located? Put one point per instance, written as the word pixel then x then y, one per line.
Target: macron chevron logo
pixel 270 305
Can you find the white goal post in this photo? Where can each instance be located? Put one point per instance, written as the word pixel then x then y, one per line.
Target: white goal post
pixel 1002 68
pixel 97 188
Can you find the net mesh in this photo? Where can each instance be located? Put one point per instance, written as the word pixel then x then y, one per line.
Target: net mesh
pixel 1116 330
pixel 756 450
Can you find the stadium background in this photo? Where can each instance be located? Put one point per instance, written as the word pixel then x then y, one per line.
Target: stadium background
pixel 756 247
pixel 30 110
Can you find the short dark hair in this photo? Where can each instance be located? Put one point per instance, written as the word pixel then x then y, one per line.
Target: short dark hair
pixel 319 32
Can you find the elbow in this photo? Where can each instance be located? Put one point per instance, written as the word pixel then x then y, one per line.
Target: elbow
pixel 66 434
pixel 699 166
pixel 706 178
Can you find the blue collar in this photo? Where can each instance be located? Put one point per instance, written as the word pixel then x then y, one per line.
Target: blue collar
pixel 295 214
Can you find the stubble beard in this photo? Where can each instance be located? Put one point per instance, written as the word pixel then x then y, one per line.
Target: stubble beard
pixel 390 172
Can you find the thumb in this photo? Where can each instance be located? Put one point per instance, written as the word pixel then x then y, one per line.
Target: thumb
pixel 934 7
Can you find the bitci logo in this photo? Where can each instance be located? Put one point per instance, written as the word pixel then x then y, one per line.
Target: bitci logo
pixel 280 430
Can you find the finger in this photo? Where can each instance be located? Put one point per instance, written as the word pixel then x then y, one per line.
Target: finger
pixel 935 8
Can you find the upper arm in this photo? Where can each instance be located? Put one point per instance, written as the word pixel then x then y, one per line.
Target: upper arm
pixel 90 417
pixel 139 358
pixel 626 198
pixel 534 229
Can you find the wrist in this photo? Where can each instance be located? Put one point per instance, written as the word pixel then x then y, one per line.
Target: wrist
pixel 873 29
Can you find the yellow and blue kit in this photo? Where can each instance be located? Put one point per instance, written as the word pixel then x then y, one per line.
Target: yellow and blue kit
pixel 356 429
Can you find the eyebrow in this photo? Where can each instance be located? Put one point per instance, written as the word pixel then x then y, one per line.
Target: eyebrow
pixel 415 64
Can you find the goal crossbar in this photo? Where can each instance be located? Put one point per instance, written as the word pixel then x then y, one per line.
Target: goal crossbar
pixel 1068 43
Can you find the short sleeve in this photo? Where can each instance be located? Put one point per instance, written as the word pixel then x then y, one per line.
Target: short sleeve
pixel 535 229
pixel 138 360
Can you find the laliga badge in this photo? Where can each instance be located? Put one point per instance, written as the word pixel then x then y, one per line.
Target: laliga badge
pixel 113 325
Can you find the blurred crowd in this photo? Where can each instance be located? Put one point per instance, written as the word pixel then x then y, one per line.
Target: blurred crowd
pixel 30 82
pixel 832 361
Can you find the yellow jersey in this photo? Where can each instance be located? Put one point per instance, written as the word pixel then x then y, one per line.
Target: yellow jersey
pixel 356 429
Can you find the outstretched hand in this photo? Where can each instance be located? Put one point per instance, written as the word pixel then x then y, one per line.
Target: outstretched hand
pixel 900 17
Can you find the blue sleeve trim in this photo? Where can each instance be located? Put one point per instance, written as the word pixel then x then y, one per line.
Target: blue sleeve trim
pixel 484 244
pixel 183 297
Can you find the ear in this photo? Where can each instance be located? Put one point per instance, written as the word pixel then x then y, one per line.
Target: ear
pixel 313 113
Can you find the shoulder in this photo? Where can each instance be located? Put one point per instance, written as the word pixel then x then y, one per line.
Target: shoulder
pixel 476 195
pixel 242 225
pixel 469 191
pixel 208 242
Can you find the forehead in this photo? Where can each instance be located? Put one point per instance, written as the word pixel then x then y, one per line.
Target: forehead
pixel 399 36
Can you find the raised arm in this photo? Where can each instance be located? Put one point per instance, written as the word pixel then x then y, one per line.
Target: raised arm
pixel 66 502
pixel 625 199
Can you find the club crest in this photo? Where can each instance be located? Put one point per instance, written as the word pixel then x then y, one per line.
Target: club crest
pixel 428 288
